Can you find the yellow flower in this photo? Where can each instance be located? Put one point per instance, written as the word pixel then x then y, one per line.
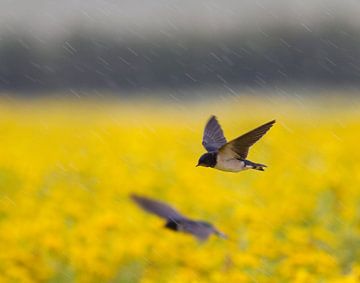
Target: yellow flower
pixel 67 169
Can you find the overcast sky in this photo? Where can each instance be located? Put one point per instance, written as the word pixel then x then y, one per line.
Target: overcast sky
pixel 49 18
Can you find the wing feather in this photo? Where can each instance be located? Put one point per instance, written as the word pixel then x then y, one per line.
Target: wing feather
pixel 239 147
pixel 213 137
pixel 156 207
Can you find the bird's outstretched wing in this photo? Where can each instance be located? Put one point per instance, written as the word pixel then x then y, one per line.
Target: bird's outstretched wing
pixel 156 207
pixel 213 137
pixel 239 147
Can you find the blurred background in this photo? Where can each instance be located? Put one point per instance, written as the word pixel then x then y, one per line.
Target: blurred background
pixel 122 47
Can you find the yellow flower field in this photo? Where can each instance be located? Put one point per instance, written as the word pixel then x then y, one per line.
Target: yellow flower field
pixel 67 168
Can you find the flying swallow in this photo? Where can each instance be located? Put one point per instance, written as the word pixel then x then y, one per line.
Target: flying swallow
pixel 230 156
pixel 175 221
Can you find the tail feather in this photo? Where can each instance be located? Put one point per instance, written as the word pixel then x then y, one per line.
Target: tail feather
pixel 256 166
pixel 260 168
pixel 220 234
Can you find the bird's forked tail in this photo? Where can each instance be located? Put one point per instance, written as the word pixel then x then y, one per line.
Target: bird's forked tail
pixel 252 165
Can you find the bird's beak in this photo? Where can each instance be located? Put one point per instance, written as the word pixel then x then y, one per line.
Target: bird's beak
pixel 197 165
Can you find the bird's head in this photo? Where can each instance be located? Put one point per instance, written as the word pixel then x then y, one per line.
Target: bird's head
pixel 207 160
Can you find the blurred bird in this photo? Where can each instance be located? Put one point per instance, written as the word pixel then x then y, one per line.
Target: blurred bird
pixel 175 221
pixel 230 156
